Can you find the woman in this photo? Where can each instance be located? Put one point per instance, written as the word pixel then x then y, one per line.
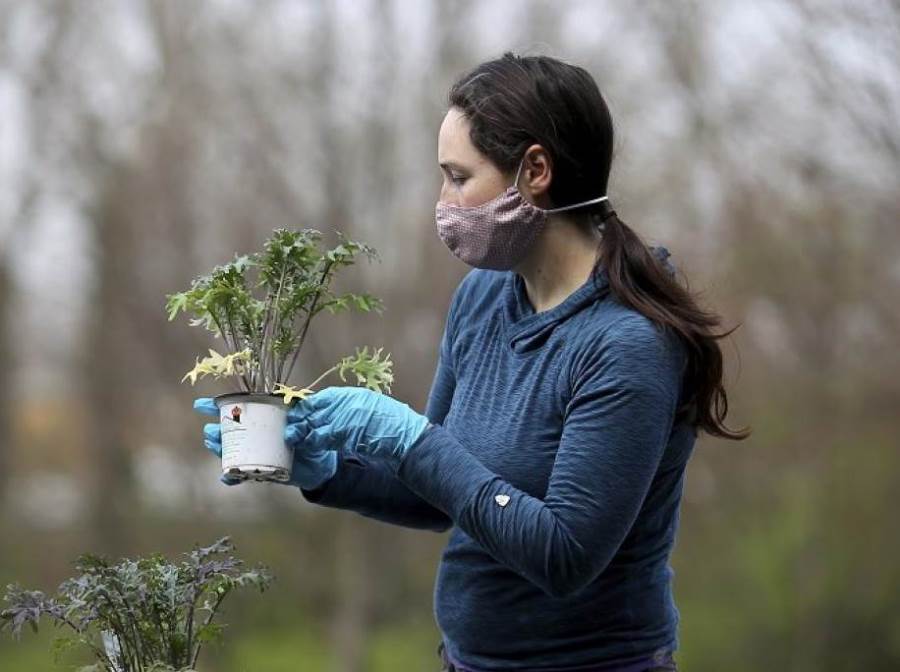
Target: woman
pixel 574 374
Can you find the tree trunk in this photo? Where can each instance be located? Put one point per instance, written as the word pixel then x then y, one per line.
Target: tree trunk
pixel 6 355
pixel 108 385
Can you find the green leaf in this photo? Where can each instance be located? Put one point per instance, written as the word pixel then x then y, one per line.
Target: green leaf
pixel 293 274
pixel 367 302
pixel 176 303
pixel 242 263
pixel 370 371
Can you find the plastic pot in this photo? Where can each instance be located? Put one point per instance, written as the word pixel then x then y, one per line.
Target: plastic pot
pixel 253 444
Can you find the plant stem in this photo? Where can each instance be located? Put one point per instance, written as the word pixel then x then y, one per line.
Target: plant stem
pixel 237 348
pixel 173 627
pixel 133 622
pixel 262 341
pixel 164 640
pixel 224 333
pixel 63 619
pixel 273 359
pixel 309 316
pixel 316 381
pixel 195 595
pixel 207 622
pixel 254 372
pixel 126 646
pixel 190 626
pixel 228 345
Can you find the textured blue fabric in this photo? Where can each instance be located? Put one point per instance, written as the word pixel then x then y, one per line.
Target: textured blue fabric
pixel 556 460
pixel 656 662
pixel 368 422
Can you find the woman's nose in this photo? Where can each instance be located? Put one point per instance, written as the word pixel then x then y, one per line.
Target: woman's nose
pixel 449 195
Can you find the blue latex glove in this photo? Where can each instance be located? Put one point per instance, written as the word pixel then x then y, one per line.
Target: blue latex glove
pixel 311 468
pixel 363 421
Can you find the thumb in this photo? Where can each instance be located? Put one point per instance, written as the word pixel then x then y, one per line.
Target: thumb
pixel 324 400
pixel 206 406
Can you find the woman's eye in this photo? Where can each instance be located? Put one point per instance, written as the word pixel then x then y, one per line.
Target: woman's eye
pixel 457 179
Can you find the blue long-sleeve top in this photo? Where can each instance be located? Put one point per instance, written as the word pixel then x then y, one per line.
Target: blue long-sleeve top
pixel 557 460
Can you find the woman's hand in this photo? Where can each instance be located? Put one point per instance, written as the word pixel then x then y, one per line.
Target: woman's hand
pixel 363 421
pixel 311 468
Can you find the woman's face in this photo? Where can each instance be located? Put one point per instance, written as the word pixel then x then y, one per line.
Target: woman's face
pixel 469 178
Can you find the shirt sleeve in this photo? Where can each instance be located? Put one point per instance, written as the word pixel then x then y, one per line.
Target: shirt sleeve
pixel 617 421
pixel 371 490
pixel 444 383
pixel 369 487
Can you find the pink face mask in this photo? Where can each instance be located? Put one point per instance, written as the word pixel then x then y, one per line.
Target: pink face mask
pixel 496 234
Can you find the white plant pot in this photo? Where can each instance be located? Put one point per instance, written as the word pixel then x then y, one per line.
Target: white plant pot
pixel 253 444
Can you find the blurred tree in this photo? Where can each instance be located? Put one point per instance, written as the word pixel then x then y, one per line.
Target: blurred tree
pixel 40 80
pixel 354 573
pixel 109 378
pixel 6 396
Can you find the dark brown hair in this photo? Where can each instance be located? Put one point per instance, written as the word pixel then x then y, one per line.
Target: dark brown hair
pixel 516 101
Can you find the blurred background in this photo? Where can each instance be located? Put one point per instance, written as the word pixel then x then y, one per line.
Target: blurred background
pixel 144 141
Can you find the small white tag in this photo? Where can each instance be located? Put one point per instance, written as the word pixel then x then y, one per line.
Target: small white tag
pixel 502 500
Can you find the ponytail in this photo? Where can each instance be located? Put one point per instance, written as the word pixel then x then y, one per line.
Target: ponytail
pixel 647 283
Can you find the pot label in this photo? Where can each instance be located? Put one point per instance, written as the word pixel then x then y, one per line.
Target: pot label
pixel 253 435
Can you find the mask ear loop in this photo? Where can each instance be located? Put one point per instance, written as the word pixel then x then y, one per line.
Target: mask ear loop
pixel 600 199
pixel 519 172
pixel 582 204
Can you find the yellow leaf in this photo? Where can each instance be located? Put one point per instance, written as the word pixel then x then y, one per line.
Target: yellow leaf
pixel 217 365
pixel 192 374
pixel 291 393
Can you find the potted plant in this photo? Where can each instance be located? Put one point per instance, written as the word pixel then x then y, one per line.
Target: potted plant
pixel 261 306
pixel 143 615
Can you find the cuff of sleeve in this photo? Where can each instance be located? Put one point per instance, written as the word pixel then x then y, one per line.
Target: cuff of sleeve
pixel 329 492
pixel 442 472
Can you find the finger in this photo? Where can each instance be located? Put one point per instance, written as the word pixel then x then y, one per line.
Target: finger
pixel 307 452
pixel 321 439
pixel 315 409
pixel 324 398
pixel 300 410
pixel 212 431
pixel 214 447
pixel 308 458
pixel 296 432
pixel 312 417
pixel 206 406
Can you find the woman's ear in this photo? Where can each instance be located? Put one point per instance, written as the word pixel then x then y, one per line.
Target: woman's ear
pixel 537 174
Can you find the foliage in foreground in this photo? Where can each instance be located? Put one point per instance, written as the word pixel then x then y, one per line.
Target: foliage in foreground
pixel 143 615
